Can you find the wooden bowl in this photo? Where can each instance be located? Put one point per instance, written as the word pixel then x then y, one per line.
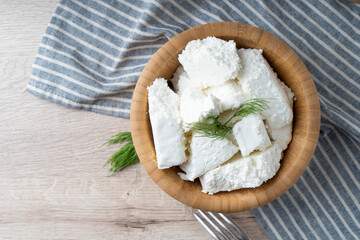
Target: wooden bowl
pixel 289 68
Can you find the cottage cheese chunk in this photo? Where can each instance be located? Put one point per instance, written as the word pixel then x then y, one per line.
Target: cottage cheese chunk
pixel 258 80
pixel 181 81
pixel 282 136
pixel 196 106
pixel 166 125
pixel 210 61
pixel 237 173
pixel 251 135
pixel 289 93
pixel 230 95
pixel 243 172
pixel 267 162
pixel 206 154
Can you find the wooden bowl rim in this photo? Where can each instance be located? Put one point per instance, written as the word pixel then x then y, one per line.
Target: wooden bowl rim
pixel 244 199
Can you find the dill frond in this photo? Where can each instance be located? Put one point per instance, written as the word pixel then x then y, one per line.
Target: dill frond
pixel 252 106
pixel 212 128
pixel 120 138
pixel 124 157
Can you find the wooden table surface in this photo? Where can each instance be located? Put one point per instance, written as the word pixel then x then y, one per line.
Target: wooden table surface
pixel 52 181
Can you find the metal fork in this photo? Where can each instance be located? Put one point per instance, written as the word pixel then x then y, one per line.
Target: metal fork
pixel 233 234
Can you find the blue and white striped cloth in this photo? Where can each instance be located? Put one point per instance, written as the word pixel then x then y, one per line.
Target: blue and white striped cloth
pixel 93 52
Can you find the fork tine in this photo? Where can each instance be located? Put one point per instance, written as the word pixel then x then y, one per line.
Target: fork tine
pixel 213 225
pixel 233 225
pixel 223 226
pixel 206 227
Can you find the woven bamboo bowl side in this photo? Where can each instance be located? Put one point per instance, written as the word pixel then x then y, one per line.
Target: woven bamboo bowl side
pixel 289 68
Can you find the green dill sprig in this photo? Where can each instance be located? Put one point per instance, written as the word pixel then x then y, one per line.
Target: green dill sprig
pixel 120 138
pixel 252 106
pixel 212 128
pixel 126 156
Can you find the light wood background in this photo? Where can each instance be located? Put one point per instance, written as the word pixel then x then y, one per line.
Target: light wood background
pixel 52 181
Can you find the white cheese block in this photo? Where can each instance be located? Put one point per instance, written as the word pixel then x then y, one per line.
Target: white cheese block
pixel 267 162
pixel 175 78
pixel 289 93
pixel 206 154
pixel 181 81
pixel 196 106
pixel 230 95
pixel 258 80
pixel 282 136
pixel 166 125
pixel 251 135
pixel 210 61
pixel 243 172
pixel 237 173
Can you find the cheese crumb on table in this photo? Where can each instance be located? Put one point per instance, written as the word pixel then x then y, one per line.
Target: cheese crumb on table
pixel 210 61
pixel 206 154
pixel 243 172
pixel 259 80
pixel 250 134
pixel 196 106
pixel 166 125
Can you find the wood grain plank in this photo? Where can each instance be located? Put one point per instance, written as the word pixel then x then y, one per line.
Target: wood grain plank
pixel 52 181
pixel 22 25
pixel 100 201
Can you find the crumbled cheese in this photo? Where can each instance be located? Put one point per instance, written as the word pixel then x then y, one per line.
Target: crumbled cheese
pixel 206 154
pixel 243 172
pixel 166 124
pixel 196 106
pixel 251 135
pixel 237 173
pixel 181 81
pixel 289 93
pixel 258 80
pixel 175 78
pixel 230 94
pixel 210 61
pixel 282 136
pixel 267 162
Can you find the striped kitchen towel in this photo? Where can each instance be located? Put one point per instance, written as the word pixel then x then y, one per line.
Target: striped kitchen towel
pixel 93 52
